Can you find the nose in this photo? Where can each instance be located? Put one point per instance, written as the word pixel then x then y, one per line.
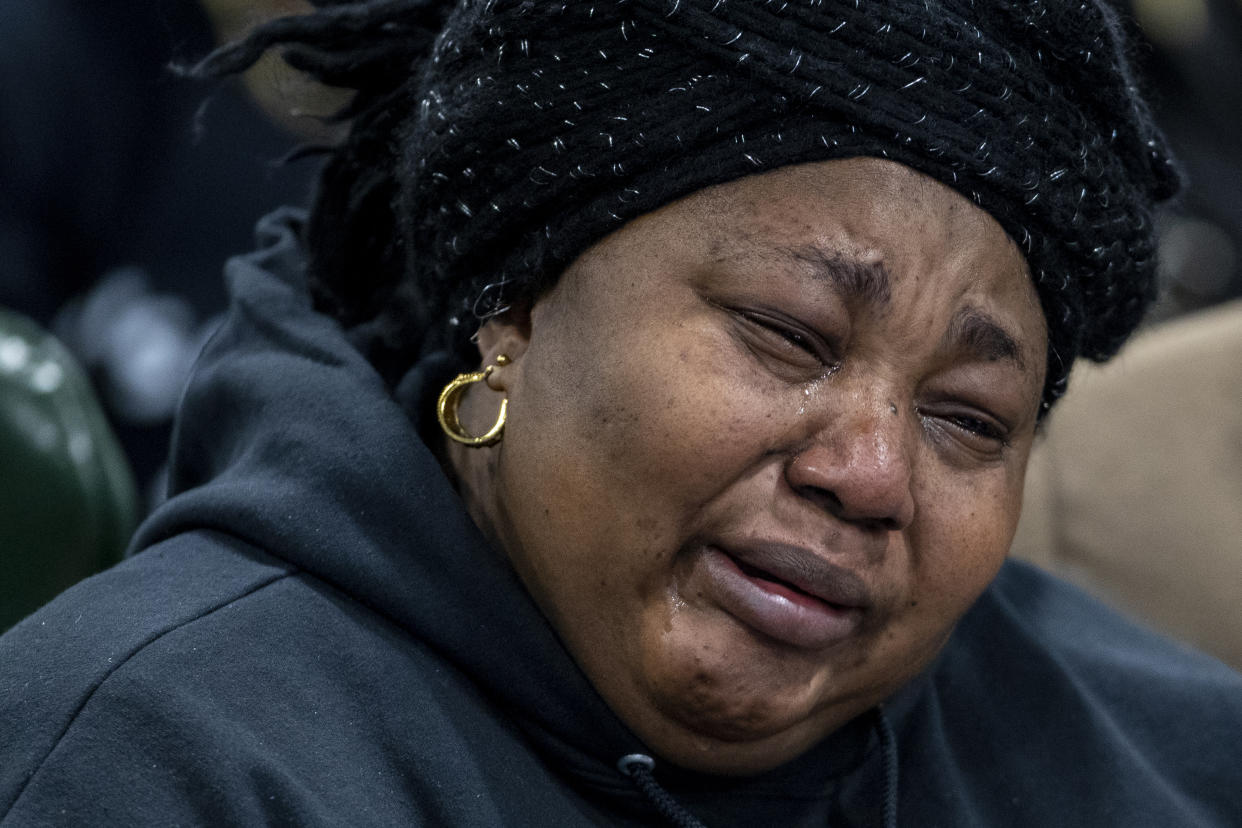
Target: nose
pixel 858 467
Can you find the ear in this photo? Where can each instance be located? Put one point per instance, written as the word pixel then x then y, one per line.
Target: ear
pixel 508 334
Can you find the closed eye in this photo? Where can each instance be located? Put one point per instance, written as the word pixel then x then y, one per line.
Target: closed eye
pixel 791 336
pixel 796 351
pixel 982 428
pixel 969 430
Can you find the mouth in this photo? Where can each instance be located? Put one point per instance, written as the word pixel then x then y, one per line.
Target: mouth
pixel 773 583
pixel 786 593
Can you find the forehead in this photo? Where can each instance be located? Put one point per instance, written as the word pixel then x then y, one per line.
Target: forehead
pixel 872 231
pixel 868 205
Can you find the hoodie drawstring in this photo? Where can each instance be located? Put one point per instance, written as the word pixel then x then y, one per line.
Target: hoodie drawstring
pixel 639 766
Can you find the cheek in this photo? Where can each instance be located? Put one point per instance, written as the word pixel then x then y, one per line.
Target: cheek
pixel 667 426
pixel 951 553
pixel 608 467
pixel 596 454
pixel 961 540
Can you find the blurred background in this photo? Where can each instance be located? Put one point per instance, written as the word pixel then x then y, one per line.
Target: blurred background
pixel 1191 59
pixel 124 186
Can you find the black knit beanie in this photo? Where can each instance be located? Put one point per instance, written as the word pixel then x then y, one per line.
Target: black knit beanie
pixel 493 141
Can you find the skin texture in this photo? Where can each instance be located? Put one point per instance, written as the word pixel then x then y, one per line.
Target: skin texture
pixel 838 361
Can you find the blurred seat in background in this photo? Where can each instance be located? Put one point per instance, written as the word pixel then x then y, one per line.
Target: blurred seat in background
pixel 1135 491
pixel 122 199
pixel 66 493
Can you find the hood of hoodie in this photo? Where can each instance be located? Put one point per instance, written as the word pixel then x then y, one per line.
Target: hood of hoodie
pixel 289 440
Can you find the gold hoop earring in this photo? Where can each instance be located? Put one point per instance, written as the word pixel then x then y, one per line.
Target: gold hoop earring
pixel 450 398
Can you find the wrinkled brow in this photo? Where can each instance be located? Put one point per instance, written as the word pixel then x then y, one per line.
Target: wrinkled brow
pixel 855 278
pixel 975 331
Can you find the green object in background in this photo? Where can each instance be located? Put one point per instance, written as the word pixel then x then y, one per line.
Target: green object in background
pixel 67 498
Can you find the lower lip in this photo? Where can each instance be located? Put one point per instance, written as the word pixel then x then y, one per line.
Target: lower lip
pixel 774 609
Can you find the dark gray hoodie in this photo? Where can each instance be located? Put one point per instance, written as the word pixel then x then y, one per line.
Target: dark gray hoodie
pixel 313 632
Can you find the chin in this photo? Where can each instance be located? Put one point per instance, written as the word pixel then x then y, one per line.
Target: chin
pixel 734 740
pixel 735 702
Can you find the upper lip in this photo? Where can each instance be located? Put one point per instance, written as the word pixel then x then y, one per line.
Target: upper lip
pixel 804 569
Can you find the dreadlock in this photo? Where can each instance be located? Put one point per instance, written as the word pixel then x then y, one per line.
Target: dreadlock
pixel 355 246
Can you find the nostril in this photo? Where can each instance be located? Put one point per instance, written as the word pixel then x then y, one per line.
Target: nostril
pixel 825 499
pixel 886 524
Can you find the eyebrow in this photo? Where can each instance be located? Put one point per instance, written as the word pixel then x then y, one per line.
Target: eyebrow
pixel 855 278
pixel 970 329
pixel 975 331
pixel 852 277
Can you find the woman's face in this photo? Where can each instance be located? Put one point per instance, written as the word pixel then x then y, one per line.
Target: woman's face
pixel 765 446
